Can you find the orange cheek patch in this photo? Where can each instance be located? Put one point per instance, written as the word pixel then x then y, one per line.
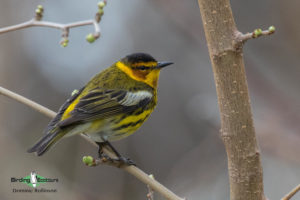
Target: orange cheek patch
pixel 148 77
pixel 140 74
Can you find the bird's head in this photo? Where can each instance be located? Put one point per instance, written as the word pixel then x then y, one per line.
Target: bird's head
pixel 142 67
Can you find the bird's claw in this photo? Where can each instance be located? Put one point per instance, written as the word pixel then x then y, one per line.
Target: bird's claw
pixel 121 160
pixel 126 161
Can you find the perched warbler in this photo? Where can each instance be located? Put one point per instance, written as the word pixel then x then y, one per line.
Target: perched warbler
pixel 111 106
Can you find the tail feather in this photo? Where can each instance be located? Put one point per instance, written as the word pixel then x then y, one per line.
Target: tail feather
pixel 46 142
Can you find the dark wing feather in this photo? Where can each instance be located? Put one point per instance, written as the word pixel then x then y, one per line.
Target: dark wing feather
pixel 61 111
pixel 102 103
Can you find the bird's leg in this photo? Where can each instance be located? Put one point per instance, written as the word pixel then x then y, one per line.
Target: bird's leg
pixel 112 148
pixel 100 150
pixel 101 154
pixel 120 158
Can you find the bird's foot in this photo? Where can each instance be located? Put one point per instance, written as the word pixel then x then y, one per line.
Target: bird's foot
pixel 119 161
pixel 126 161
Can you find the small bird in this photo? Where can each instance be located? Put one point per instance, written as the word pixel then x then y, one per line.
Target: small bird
pixel 110 107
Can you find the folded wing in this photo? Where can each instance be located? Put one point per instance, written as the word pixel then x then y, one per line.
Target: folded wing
pixel 103 103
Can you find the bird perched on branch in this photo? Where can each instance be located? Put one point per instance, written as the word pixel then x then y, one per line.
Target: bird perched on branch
pixel 110 107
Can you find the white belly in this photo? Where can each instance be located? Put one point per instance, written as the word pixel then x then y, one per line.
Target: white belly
pixel 96 135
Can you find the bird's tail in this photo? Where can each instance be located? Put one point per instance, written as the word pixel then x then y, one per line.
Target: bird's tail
pixel 47 141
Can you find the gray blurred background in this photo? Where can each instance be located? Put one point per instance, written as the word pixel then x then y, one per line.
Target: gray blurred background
pixel 180 142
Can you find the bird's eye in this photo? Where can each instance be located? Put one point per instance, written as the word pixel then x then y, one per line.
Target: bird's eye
pixel 141 68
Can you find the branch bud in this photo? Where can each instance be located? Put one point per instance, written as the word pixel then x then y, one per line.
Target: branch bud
pixel 101 11
pixel 151 176
pixel 271 29
pixel 40 7
pixel 64 43
pixel 88 160
pixel 39 12
pixel 101 4
pixel 257 32
pixel 90 38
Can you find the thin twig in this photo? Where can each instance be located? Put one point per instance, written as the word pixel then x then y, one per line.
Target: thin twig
pixel 65 28
pixel 255 34
pixel 34 22
pixel 133 170
pixel 291 193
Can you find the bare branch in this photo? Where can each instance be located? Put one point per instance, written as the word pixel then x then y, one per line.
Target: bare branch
pixel 65 28
pixel 23 100
pixel 240 37
pixel 34 22
pixel 291 193
pixel 133 170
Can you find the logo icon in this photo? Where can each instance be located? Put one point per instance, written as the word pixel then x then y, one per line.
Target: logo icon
pixel 33 180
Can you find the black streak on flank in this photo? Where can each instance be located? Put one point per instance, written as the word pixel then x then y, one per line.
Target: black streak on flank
pixel 133 124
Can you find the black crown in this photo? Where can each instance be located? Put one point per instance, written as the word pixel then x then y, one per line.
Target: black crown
pixel 139 57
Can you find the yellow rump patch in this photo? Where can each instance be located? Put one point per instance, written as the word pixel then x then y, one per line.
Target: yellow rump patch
pixel 70 109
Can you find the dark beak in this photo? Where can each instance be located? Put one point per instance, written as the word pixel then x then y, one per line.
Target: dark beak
pixel 163 64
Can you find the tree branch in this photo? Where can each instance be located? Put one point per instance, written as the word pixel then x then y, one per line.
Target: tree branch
pixel 65 28
pixel 34 22
pixel 255 34
pixel 241 38
pixel 291 193
pixel 237 129
pixel 133 170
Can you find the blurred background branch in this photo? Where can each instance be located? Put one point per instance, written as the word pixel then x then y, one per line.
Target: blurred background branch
pixel 291 193
pixel 65 28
